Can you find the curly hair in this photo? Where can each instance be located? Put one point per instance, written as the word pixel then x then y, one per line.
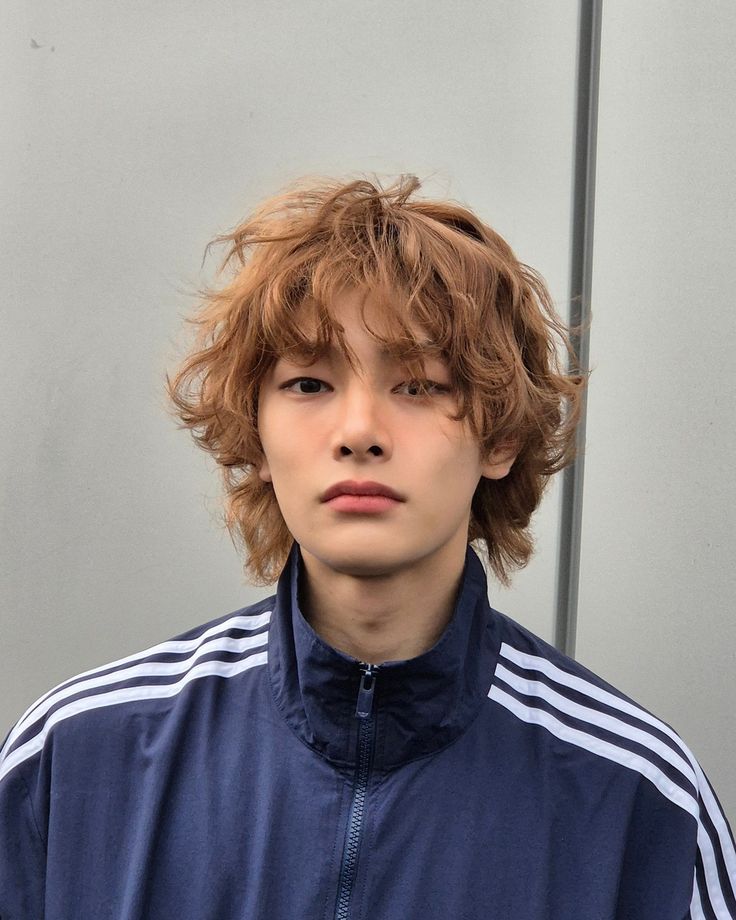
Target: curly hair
pixel 438 267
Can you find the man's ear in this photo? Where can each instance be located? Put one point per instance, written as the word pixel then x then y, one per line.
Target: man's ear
pixel 264 470
pixel 499 462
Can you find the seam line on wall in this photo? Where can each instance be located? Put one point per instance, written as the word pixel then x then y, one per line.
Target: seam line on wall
pixel 581 273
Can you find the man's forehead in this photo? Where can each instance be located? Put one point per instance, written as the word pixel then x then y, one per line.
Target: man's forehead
pixel 426 347
pixel 385 353
pixel 326 330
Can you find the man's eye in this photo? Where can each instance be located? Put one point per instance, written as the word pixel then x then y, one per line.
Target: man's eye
pixel 424 387
pixel 311 383
pixel 310 386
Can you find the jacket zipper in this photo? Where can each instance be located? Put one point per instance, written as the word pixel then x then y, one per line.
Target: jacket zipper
pixel 366 734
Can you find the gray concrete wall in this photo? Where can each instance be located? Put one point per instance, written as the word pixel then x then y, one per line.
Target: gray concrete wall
pixel 658 581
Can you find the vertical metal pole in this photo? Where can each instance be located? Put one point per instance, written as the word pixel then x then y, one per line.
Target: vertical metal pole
pixel 581 267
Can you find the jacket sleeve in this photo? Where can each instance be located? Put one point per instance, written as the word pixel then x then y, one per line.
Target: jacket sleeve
pixel 22 850
pixel 714 873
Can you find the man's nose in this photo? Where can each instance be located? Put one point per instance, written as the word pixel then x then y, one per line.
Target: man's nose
pixel 362 424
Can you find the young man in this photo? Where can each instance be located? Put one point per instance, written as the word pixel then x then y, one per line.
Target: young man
pixel 379 381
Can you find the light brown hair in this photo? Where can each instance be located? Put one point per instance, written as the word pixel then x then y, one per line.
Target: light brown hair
pixel 429 264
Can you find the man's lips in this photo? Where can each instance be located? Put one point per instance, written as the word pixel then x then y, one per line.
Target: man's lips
pixel 362 504
pixel 351 487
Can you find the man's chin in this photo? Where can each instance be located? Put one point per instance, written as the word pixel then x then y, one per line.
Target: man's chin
pixel 361 560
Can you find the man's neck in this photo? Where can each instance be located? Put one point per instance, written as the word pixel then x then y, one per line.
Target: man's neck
pixel 380 618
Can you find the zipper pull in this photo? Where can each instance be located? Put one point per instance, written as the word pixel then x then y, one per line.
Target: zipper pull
pixel 364 707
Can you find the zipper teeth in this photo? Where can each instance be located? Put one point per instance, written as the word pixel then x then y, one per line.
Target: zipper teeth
pixel 350 857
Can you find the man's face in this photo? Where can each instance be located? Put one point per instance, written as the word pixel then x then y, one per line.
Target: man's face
pixel 327 423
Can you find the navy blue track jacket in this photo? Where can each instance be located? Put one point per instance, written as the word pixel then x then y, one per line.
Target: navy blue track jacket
pixel 248 770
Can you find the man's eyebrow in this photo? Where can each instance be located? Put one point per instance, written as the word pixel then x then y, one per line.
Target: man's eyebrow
pixel 427 348
pixel 333 354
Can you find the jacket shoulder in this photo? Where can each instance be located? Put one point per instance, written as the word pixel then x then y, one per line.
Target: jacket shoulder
pixel 519 642
pixel 548 692
pixel 542 686
pixel 224 647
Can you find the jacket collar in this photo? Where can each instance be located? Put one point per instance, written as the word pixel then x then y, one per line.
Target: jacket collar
pixel 421 705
